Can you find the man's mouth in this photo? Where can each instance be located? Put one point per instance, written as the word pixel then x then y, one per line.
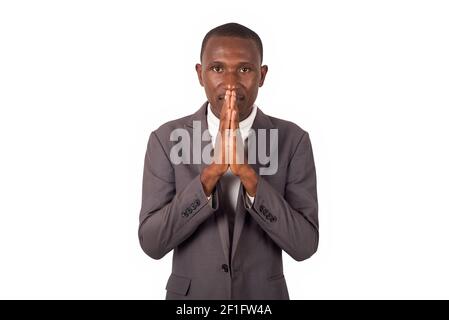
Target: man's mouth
pixel 240 97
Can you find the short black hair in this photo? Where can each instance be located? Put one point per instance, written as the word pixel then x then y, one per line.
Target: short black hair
pixel 233 30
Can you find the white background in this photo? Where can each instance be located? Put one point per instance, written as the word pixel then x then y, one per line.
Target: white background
pixel 83 83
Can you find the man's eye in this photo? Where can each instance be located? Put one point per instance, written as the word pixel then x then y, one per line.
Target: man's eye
pixel 217 69
pixel 245 69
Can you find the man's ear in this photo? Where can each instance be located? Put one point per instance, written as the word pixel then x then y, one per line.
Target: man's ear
pixel 199 69
pixel 263 73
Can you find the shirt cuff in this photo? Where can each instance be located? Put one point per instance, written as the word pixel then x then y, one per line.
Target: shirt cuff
pixel 212 200
pixel 249 200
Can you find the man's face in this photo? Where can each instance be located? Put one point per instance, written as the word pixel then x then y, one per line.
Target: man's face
pixel 231 63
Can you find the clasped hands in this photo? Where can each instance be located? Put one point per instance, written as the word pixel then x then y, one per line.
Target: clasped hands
pixel 228 151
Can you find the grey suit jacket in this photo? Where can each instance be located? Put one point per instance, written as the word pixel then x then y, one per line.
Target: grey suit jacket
pixel 176 215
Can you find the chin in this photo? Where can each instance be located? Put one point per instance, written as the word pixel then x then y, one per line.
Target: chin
pixel 244 114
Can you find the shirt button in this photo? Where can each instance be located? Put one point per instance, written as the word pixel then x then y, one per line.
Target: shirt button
pixel 225 267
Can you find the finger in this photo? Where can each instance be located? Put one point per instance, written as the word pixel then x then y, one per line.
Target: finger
pixel 237 141
pixel 234 106
pixel 223 124
pixel 229 119
pixel 233 124
pixel 225 105
pixel 233 100
pixel 228 98
pixel 226 124
pixel 225 101
pixel 233 135
pixel 221 140
pixel 226 135
pixel 233 138
pixel 235 120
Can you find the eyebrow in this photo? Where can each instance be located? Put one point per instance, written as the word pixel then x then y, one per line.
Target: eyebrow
pixel 240 63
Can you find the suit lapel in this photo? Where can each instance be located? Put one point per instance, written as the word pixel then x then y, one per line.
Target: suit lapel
pixel 223 226
pixel 196 126
pixel 239 222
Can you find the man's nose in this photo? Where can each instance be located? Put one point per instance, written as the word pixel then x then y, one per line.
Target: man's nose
pixel 231 80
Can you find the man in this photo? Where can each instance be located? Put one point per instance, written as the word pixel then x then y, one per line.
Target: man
pixel 229 217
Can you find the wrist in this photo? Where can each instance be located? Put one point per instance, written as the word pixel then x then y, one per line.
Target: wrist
pixel 246 172
pixel 249 179
pixel 209 178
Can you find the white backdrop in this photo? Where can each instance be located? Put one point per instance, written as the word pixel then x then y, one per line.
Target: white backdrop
pixel 83 83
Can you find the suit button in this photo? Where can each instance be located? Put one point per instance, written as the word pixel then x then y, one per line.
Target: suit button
pixel 197 202
pixel 225 267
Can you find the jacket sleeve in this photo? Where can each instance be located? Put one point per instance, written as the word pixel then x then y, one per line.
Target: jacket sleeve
pixel 291 221
pixel 168 216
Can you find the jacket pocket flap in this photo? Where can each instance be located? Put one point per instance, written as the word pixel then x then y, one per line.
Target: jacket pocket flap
pixel 178 284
